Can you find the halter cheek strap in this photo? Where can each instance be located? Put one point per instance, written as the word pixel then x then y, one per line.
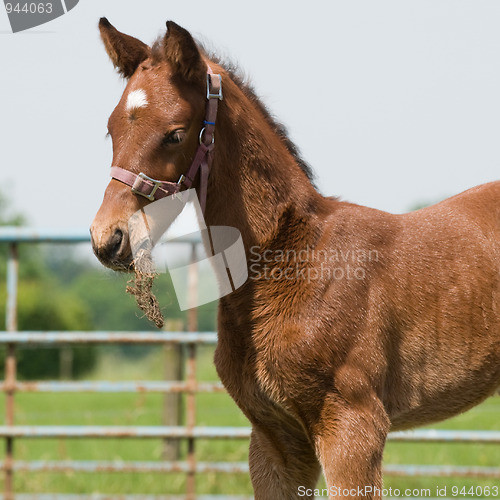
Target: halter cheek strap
pixel 153 189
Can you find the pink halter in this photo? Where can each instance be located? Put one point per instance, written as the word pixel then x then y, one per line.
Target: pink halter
pixel 153 189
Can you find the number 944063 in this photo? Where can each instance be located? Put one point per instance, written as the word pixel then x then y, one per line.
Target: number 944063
pixel 29 8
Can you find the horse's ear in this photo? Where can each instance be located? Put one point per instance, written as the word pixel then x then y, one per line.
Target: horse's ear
pixel 126 52
pixel 182 53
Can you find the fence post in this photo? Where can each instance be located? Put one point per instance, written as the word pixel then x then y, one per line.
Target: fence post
pixel 10 364
pixel 172 402
pixel 192 320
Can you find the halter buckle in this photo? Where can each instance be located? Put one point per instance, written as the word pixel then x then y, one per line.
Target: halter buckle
pixel 209 94
pixel 144 177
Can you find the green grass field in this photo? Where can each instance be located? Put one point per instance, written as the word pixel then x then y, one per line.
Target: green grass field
pixel 212 409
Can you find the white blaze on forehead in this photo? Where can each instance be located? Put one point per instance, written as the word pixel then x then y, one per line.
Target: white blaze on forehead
pixel 136 99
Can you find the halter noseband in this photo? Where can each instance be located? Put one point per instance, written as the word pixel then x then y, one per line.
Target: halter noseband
pixel 153 189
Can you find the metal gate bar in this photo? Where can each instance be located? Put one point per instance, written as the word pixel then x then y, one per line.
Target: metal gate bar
pixel 117 432
pixel 237 468
pixel 184 432
pixel 70 496
pixel 120 386
pixel 129 466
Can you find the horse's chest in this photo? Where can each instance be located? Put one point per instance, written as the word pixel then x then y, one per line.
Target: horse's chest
pixel 256 379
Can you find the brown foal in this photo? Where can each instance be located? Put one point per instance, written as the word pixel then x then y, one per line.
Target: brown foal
pixel 353 322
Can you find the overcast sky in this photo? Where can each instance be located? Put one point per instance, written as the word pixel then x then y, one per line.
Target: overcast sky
pixel 392 102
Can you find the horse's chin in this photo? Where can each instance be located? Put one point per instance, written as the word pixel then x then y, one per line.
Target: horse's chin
pixel 123 268
pixel 123 265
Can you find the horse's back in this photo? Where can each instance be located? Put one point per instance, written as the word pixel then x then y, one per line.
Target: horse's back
pixel 447 296
pixel 432 301
pixel 478 206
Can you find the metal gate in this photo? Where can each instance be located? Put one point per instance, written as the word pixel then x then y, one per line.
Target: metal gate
pixel 11 337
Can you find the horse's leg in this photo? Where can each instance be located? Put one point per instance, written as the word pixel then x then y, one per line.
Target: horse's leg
pixel 282 467
pixel 349 445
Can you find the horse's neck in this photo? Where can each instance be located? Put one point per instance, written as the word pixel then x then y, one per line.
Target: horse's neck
pixel 255 180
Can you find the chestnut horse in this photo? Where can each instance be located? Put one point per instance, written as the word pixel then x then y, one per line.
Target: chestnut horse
pixel 353 322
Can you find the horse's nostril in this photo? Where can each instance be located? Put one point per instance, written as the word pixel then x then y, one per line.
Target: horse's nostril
pixel 112 250
pixel 115 243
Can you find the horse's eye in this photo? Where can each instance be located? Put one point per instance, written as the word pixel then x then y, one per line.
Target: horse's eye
pixel 174 137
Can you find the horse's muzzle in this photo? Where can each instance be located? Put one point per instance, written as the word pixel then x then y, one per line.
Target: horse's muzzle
pixel 112 249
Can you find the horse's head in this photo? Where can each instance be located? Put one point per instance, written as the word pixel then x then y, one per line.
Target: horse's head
pixel 154 128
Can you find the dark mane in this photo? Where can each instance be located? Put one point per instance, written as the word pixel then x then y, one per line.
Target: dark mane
pixel 280 129
pixel 236 75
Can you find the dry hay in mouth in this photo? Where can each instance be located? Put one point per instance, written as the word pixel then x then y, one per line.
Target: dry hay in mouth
pixel 141 287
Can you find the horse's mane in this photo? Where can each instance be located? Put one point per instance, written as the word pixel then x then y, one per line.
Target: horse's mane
pixel 237 76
